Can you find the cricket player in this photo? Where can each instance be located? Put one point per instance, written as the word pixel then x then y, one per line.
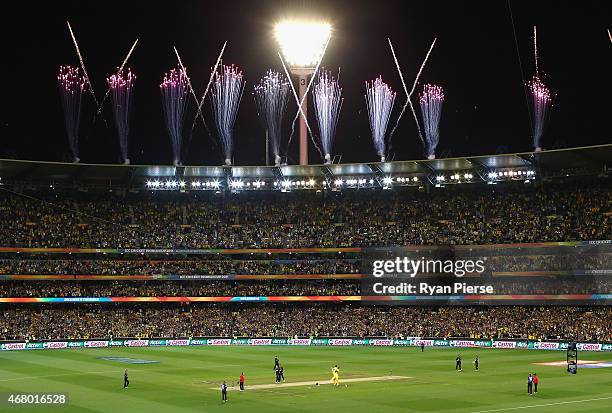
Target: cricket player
pixel 126 380
pixel 336 375
pixel 224 392
pixel 530 384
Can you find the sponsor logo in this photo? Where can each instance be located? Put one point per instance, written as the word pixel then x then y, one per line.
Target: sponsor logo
pixel 72 344
pixel 14 346
pixel 504 344
pixel 589 347
pixel 382 342
pixel 56 344
pixel 177 342
pixel 261 342
pixel 98 344
pixel 462 343
pixel 220 341
pixel 546 346
pixel 340 341
pixel 157 342
pixel 136 343
pixel 426 343
pixel 115 343
pixel 198 342
pixel 300 342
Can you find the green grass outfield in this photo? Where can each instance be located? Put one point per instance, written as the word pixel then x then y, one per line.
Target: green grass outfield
pixel 182 379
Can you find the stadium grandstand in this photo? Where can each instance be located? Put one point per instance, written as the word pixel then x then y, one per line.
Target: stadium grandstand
pixel 142 252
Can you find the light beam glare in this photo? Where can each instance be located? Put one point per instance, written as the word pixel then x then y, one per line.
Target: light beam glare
pixel 302 43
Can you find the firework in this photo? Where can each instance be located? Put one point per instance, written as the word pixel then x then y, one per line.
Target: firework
pixel 119 70
pixel 226 95
pixel 431 100
pixel 71 87
pixel 210 80
pixel 121 86
pixel 271 96
pixel 540 104
pixel 409 94
pixel 379 99
pixel 327 98
pixel 85 74
pixel 174 99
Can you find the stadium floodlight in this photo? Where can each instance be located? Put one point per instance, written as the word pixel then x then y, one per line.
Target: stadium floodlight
pixel 387 180
pixel 302 45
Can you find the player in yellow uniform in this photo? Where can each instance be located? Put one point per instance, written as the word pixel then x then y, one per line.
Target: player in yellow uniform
pixel 336 375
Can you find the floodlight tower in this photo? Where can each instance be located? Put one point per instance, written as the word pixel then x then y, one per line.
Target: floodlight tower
pixel 302 45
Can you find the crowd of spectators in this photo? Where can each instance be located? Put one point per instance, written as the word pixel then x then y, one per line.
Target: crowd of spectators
pixel 176 288
pixel 176 267
pixel 252 288
pixel 600 262
pixel 274 220
pixel 263 320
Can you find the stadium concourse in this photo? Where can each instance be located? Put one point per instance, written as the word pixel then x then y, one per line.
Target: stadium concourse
pixel 78 261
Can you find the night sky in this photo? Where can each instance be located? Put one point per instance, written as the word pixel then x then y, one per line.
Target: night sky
pixel 475 60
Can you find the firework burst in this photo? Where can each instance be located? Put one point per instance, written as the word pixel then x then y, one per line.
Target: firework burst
pixel 271 96
pixel 71 87
pixel 327 97
pixel 431 100
pixel 121 86
pixel 379 99
pixel 174 90
pixel 226 95
pixel 540 104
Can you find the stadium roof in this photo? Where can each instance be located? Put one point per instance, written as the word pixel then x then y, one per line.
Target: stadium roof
pixel 592 159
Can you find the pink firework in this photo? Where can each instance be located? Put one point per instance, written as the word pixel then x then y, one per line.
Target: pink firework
pixel 121 86
pixel 71 87
pixel 174 99
pixel 379 99
pixel 431 99
pixel 540 104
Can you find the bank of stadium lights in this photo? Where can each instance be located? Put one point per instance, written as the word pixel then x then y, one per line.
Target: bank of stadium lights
pixel 174 185
pixel 407 179
pixel 457 177
pixel 510 174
